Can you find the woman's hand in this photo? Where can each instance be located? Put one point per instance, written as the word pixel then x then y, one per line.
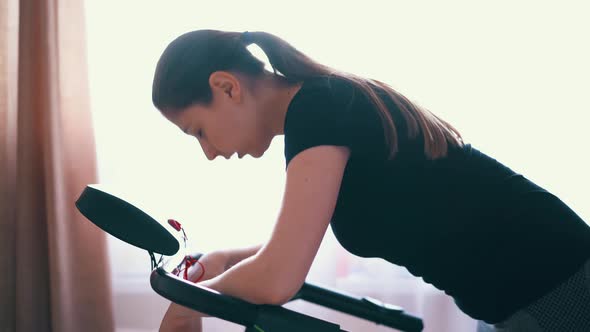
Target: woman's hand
pixel 215 263
pixel 180 318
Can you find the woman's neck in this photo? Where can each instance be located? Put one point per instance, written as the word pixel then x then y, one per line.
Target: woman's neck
pixel 279 95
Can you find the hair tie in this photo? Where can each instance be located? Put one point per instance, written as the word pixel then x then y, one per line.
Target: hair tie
pixel 246 37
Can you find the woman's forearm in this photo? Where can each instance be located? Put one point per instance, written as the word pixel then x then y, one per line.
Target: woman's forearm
pixel 237 255
pixel 181 319
pixel 242 279
pixel 251 280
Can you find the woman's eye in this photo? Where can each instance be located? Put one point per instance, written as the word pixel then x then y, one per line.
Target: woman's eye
pixel 200 133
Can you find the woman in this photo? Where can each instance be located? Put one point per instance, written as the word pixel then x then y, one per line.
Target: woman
pixel 392 179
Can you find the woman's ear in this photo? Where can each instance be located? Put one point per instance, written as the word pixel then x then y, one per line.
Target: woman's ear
pixel 225 83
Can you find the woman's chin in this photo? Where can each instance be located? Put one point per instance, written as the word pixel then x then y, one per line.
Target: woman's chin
pixel 258 154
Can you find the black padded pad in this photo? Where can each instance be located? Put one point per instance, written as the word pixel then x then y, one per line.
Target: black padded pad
pixel 126 222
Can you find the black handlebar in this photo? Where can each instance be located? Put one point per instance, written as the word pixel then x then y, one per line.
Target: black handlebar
pixel 366 307
pixel 277 318
pixel 202 299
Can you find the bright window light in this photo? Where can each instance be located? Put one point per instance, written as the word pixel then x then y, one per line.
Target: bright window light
pixel 512 77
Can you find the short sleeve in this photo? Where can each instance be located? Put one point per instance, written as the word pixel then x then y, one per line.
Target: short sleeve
pixel 319 114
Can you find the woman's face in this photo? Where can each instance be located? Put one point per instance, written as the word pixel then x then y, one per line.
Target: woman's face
pixel 232 123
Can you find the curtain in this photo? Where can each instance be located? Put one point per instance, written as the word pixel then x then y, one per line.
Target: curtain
pixel 55 267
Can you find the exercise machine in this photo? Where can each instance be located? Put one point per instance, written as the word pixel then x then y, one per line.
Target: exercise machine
pixel 128 223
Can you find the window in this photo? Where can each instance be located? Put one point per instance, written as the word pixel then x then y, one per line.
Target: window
pixel 516 91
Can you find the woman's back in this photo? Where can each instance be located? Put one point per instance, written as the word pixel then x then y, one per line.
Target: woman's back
pixel 469 225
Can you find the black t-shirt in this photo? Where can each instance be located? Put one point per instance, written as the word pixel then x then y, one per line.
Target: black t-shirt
pixel 467 224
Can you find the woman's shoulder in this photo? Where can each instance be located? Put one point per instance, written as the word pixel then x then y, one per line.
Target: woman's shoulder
pixel 318 115
pixel 326 95
pixel 336 86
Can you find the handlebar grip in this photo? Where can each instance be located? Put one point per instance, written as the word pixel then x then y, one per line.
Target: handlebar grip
pixel 202 299
pixel 366 308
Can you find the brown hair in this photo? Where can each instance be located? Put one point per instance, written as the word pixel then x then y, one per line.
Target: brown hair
pixel 182 79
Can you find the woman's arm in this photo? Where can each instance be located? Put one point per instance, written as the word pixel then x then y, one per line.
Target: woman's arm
pixel 237 255
pixel 178 318
pixel 277 271
pixel 181 319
